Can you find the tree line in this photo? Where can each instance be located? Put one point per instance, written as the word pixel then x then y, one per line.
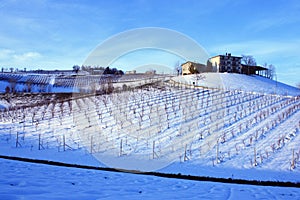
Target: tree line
pixel 98 70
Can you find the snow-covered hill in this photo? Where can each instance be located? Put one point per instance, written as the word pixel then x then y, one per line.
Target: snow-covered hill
pixel 226 130
pixel 232 81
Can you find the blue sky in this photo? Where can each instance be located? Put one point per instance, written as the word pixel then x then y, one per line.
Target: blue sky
pixel 48 34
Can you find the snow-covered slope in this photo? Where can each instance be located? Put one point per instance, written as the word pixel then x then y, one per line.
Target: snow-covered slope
pixel 234 132
pixel 32 181
pixel 164 126
pixel 232 81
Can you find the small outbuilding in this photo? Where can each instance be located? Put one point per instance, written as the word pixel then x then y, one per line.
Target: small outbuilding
pixel 254 70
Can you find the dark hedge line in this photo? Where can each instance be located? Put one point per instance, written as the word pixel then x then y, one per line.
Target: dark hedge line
pixel 158 174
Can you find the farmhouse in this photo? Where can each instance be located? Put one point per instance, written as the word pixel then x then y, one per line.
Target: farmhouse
pixel 221 64
pixel 193 68
pixel 226 63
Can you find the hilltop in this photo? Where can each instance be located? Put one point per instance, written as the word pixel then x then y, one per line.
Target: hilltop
pixel 242 82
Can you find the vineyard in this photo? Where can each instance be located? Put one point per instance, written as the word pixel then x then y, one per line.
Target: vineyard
pixel 164 123
pixel 47 83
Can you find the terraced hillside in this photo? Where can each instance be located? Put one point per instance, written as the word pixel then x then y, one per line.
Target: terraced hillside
pixel 164 123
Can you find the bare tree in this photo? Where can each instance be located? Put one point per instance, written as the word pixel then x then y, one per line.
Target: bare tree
pixel 177 68
pixel 13 84
pixel 76 68
pixel 198 77
pixel 271 71
pixel 248 60
pixel 29 85
pixel 7 89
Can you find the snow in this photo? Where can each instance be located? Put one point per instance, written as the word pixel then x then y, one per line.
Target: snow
pixel 240 82
pixel 36 181
pixel 170 129
pixel 37 88
pixel 3 104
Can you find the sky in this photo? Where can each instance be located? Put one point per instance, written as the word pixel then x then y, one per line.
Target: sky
pixel 49 34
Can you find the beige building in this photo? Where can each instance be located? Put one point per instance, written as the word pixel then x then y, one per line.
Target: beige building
pixel 221 64
pixel 226 63
pixel 131 72
pixel 193 68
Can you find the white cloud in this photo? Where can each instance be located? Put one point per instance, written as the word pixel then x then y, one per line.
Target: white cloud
pixel 28 56
pixel 268 23
pixel 11 57
pixel 6 54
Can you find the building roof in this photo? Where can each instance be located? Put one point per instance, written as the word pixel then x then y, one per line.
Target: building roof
pixel 192 63
pixel 225 55
pixel 260 68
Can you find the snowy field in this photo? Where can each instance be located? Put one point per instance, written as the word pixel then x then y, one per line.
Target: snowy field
pixel 247 130
pixel 35 181
pixel 240 82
